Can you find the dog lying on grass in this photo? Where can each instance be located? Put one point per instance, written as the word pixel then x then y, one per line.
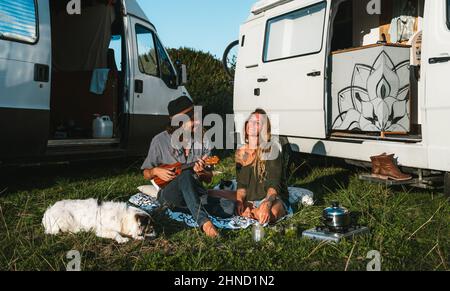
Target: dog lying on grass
pixel 110 220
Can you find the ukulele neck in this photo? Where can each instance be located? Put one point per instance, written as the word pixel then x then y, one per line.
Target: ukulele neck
pixel 192 165
pixel 187 166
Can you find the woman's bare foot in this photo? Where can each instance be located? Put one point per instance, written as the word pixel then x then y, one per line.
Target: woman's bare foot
pixel 210 230
pixel 250 211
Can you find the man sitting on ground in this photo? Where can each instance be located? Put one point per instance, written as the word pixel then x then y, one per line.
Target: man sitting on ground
pixel 185 192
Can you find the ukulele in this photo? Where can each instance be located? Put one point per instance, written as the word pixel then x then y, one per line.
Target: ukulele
pixel 179 168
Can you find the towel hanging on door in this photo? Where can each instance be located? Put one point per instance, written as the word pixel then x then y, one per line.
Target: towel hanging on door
pixel 99 81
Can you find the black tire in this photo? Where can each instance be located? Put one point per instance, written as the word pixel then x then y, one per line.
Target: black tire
pixel 447 184
pixel 225 58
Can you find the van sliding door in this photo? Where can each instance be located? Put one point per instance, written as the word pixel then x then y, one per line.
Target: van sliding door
pixel 291 81
pixel 25 55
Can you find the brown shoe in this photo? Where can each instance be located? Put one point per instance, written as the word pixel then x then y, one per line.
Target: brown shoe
pixel 389 170
pixel 210 230
pixel 376 164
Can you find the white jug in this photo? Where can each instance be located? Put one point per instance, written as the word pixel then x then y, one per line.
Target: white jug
pixel 102 127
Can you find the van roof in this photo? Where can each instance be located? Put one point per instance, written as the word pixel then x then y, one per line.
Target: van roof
pixel 263 5
pixel 133 8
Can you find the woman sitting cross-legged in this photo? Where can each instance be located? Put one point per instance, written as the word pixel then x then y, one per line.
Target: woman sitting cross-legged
pixel 262 189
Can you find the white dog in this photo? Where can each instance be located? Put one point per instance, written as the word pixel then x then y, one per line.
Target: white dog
pixel 109 220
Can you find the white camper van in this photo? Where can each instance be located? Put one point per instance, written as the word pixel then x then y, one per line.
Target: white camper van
pixel 60 68
pixel 341 81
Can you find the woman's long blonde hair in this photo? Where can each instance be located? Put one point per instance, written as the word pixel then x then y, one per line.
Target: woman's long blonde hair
pixel 264 140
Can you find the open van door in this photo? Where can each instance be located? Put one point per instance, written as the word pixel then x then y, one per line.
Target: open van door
pixel 154 85
pixel 291 81
pixel 25 56
pixel 436 62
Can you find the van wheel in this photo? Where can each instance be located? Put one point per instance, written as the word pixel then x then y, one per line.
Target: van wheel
pixel 447 184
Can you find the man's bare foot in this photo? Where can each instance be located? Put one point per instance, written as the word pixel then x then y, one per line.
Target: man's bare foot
pixel 210 230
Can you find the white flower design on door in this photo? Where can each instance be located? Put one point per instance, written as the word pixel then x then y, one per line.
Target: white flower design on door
pixel 377 100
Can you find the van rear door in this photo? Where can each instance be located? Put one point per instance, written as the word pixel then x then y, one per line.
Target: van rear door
pixel 25 56
pixel 436 63
pixel 291 80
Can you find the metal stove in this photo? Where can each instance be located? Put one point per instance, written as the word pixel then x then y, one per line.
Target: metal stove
pixel 325 234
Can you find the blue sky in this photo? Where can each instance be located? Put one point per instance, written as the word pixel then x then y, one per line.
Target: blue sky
pixel 207 25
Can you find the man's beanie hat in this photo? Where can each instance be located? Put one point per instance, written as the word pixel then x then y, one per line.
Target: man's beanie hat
pixel 181 105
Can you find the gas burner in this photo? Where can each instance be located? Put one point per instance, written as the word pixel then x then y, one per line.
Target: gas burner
pixel 325 229
pixel 326 234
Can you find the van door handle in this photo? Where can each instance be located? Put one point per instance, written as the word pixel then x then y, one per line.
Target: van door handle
pixel 314 74
pixel 439 60
pixel 263 79
pixel 138 86
pixel 41 73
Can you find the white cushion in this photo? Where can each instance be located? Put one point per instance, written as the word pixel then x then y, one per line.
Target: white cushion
pixel 149 190
pixel 304 196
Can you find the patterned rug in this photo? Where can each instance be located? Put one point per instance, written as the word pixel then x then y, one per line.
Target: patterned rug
pixel 150 204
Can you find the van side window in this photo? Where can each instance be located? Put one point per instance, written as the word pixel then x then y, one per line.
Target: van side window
pixel 448 14
pixel 147 58
pixel 18 20
pixel 168 74
pixel 295 34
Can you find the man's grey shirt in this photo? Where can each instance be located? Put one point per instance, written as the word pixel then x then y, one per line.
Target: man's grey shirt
pixel 162 152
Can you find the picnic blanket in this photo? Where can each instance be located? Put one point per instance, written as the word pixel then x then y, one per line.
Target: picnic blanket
pixel 150 205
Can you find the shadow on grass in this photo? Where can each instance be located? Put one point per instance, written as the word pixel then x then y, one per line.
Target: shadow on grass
pixel 306 164
pixel 164 225
pixel 325 184
pixel 18 179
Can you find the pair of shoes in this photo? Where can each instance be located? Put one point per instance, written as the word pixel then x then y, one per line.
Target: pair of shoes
pixel 384 167
pixel 210 230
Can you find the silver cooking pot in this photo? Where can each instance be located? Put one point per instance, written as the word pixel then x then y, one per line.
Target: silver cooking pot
pixel 337 218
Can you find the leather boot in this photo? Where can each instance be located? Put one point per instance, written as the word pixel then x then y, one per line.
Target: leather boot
pixel 389 170
pixel 376 164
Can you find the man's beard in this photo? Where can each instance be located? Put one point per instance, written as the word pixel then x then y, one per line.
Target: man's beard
pixel 192 136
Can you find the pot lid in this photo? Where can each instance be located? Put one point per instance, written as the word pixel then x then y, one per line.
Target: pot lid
pixel 335 210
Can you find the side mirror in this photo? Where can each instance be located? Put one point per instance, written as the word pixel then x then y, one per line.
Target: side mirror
pixel 182 73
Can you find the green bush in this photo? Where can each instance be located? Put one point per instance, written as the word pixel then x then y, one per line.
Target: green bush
pixel 208 83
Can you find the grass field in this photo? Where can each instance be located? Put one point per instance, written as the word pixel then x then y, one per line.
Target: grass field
pixel 409 228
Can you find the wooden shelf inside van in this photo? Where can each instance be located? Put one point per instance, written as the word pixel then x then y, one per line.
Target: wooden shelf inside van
pixel 370 46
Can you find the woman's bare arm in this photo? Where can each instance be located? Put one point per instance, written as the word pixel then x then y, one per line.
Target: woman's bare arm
pixel 240 198
pixel 241 194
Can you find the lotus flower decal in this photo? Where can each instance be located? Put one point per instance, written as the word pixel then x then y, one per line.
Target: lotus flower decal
pixel 377 99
